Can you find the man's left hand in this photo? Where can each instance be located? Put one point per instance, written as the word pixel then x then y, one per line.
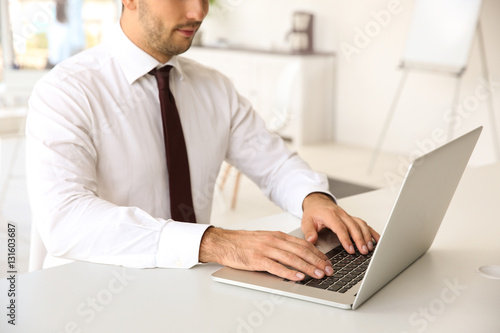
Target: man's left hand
pixel 320 212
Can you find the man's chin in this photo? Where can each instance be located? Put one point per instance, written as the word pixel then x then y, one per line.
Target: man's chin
pixel 187 47
pixel 179 48
pixel 184 44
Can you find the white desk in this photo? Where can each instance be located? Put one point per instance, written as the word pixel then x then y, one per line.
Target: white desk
pixel 84 297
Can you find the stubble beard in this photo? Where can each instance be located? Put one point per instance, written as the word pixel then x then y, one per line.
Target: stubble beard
pixel 158 37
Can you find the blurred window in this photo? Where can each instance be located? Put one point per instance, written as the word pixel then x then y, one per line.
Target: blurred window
pixel 45 32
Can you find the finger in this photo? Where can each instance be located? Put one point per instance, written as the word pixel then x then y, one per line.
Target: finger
pixel 357 237
pixel 309 230
pixel 375 235
pixel 340 228
pixel 361 234
pixel 369 234
pixel 355 229
pixel 295 261
pixel 278 269
pixel 343 235
pixel 302 255
pixel 307 245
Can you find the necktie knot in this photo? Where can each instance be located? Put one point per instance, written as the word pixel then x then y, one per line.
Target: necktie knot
pixel 162 76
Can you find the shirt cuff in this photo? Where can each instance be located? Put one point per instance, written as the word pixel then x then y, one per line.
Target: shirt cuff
pixel 328 194
pixel 179 244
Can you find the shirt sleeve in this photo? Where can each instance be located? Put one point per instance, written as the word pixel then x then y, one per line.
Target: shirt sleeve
pixel 281 174
pixel 73 221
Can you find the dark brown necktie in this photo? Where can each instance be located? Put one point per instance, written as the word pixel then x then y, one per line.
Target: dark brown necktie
pixel 181 200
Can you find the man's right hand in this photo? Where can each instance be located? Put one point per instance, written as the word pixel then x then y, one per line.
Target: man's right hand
pixel 264 251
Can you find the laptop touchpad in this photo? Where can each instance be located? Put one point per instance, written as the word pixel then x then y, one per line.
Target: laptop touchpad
pixel 327 239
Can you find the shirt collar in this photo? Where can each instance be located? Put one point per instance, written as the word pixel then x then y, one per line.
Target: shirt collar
pixel 134 62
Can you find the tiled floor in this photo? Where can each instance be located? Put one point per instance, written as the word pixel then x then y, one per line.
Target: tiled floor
pixel 337 161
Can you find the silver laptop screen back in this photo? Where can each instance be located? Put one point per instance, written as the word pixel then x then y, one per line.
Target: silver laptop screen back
pixel 420 207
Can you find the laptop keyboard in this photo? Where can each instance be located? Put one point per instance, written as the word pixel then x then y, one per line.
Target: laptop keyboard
pixel 348 269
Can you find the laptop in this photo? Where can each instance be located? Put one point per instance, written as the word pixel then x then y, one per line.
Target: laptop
pixel 421 204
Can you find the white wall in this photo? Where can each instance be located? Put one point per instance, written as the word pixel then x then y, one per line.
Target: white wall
pixel 367 81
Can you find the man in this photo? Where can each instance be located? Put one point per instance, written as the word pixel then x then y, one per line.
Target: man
pixel 96 158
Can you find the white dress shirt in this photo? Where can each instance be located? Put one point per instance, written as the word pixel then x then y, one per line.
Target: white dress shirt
pixel 96 167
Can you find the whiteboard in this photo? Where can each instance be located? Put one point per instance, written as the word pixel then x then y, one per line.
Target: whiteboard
pixel 441 34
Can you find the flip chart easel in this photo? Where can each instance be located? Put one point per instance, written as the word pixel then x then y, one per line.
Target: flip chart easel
pixel 440 40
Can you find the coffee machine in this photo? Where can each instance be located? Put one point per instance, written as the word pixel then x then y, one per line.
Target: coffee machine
pixel 301 35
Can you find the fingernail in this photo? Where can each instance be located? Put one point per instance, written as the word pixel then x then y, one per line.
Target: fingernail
pixel 351 248
pixel 300 275
pixel 329 270
pixel 370 246
pixel 365 249
pixel 319 273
